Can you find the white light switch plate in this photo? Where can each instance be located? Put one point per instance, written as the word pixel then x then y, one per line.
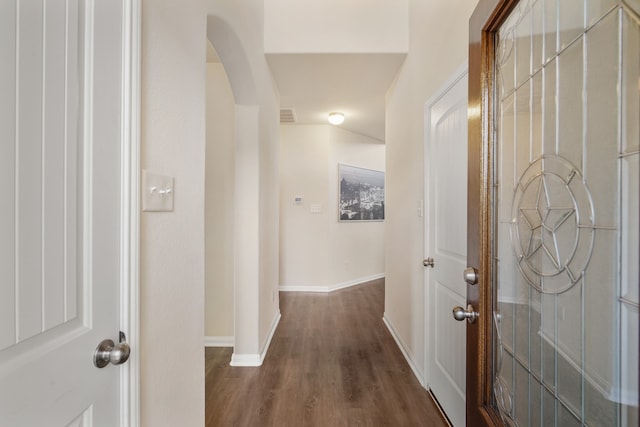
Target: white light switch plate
pixel 157 192
pixel 315 209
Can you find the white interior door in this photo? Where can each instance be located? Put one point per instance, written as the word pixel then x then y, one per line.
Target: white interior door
pixel 446 244
pixel 61 221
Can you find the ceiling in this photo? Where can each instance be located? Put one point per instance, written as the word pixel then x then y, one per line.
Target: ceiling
pixel 355 84
pixel 313 85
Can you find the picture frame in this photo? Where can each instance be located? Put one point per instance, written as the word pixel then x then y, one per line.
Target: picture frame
pixel 361 194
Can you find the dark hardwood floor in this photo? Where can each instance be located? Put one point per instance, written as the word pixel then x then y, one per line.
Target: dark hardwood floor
pixel 332 362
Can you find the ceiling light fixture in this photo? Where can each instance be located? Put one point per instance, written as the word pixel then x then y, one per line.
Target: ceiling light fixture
pixel 336 118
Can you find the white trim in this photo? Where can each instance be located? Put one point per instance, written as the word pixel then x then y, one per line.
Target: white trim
pixel 130 291
pixel 330 288
pixel 257 359
pixel 624 395
pixel 219 341
pixel 245 360
pixel 405 351
pixel 536 305
pixel 614 393
pixel 458 74
pixel 267 341
pixel 596 381
pixel 88 28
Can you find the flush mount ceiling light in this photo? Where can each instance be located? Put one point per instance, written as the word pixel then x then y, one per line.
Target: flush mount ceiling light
pixel 336 118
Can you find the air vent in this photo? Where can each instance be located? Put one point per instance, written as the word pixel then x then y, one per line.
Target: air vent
pixel 287 115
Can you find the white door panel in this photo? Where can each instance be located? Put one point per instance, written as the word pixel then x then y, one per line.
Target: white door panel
pixel 446 243
pixel 61 142
pixel 449 345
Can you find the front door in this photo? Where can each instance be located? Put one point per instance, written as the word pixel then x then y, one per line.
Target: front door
pixel 446 245
pixel 61 222
pixel 553 213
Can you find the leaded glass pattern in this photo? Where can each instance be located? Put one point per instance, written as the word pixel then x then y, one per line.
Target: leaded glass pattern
pixel 566 224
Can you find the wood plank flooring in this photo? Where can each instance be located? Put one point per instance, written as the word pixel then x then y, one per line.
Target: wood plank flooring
pixel 332 362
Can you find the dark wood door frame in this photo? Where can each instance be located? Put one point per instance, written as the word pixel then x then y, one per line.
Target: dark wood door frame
pixel 483 26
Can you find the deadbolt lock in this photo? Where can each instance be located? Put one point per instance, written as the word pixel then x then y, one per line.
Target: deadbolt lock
pixel 471 275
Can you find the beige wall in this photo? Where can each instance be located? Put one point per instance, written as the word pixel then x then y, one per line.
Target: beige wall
pixel 316 251
pixel 357 250
pixel 335 26
pixel 172 243
pixel 173 143
pixel 236 30
pixel 304 236
pixel 438 46
pixel 219 204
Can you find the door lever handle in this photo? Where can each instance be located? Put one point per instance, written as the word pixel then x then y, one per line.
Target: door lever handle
pixel 429 262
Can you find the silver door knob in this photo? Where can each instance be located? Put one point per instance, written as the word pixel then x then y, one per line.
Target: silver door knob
pixel 108 352
pixel 429 262
pixel 471 275
pixel 470 314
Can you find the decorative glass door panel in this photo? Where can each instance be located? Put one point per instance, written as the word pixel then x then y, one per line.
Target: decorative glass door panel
pixel 565 244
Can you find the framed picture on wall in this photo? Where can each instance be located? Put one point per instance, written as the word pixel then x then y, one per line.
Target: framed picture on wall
pixel 361 194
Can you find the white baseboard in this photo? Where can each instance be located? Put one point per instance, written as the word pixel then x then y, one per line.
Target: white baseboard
pixel 245 360
pixel 330 288
pixel 597 382
pixel 521 301
pixel 257 359
pixel 222 341
pixel 267 341
pixel 404 350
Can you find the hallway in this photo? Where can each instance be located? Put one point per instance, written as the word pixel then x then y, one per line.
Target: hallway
pixel 332 362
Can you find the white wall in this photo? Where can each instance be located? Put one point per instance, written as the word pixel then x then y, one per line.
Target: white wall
pixel 173 142
pixel 304 236
pixel 316 251
pixel 333 26
pixel 438 46
pixel 236 30
pixel 357 250
pixel 219 204
pixel 172 243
